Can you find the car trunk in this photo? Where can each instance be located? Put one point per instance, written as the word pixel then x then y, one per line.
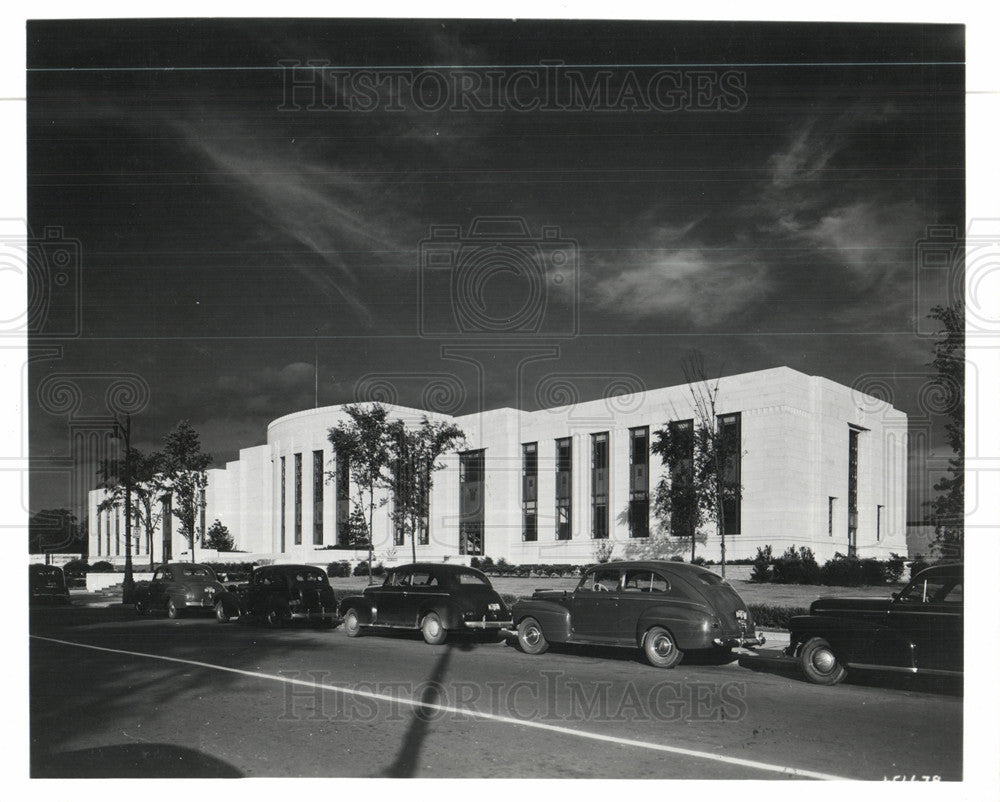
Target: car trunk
pixel 726 603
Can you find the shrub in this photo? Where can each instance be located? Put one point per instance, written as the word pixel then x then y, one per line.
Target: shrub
pixel 378 570
pixel 762 565
pixel 699 561
pixel 796 567
pixel 894 567
pixel 361 569
pixel 918 565
pixel 75 567
pixel 339 568
pixel 102 567
pixel 475 563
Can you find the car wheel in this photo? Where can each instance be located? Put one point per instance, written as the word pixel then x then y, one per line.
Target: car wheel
pixel 140 608
pixel 433 630
pixel 173 611
pixel 275 618
pixel 819 663
pixel 661 649
pixel 221 614
pixel 530 637
pixel 352 624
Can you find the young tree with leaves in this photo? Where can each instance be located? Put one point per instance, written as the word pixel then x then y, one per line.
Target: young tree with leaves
pixel 706 484
pixel 413 460
pixel 361 443
pixel 217 537
pixel 185 478
pixel 948 509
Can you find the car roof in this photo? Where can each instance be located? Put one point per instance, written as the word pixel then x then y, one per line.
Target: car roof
pixel 659 565
pixel 448 568
pixel 289 568
pixel 948 569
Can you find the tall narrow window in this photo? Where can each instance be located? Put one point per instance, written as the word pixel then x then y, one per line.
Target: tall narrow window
pixel 297 523
pixel 99 519
pixel 564 489
pixel 118 533
pixel 168 529
pixel 599 485
pixel 730 437
pixel 829 515
pixel 342 503
pixel 680 463
pixel 638 482
pixel 283 525
pixel 878 522
pixel 317 498
pixel 471 507
pixel 529 492
pixel 852 492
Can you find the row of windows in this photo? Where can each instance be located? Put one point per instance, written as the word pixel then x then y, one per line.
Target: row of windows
pixel 680 467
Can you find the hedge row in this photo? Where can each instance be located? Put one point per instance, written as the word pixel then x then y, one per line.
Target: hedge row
pixel 800 568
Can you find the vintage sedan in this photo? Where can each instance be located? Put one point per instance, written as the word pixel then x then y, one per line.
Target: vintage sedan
pixel 664 608
pixel 46 583
pixel 280 594
pixel 435 598
pixel 178 588
pixel 915 631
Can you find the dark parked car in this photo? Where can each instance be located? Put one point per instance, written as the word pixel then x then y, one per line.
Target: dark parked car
pixel 663 608
pixel 279 594
pixel 436 599
pixel 46 583
pixel 918 630
pixel 177 588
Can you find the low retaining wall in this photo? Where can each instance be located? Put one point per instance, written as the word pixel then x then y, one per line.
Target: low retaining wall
pixel 97 581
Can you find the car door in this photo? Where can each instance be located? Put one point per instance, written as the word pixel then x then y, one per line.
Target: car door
pixel 930 615
pixel 642 588
pixel 594 605
pixel 422 591
pixel 158 588
pixel 390 599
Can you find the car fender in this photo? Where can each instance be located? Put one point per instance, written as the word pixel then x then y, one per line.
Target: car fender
pixel 230 603
pixel 362 606
pixel 853 640
pixel 690 626
pixel 447 612
pixel 553 617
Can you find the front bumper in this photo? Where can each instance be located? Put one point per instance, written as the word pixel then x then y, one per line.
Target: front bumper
pixel 744 640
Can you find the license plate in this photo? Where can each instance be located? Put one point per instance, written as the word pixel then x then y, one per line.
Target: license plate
pixel 494 607
pixel 741 615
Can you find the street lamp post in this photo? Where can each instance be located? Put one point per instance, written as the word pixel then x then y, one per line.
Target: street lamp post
pixel 125 432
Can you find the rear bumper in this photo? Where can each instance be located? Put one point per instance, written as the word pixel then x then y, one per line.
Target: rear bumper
pixel 745 640
pixel 484 624
pixel 321 614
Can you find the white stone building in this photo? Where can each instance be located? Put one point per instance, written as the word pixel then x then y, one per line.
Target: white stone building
pixel 819 464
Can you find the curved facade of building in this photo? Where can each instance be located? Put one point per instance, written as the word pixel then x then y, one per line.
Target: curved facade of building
pixel 818 464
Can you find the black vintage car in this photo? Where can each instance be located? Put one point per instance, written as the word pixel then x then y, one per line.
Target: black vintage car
pixel 178 588
pixel 46 583
pixel 280 594
pixel 916 631
pixel 664 608
pixel 434 598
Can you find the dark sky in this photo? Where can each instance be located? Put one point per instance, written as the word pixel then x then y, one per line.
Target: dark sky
pixel 765 207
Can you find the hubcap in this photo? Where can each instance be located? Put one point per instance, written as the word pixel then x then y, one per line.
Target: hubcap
pixel 433 628
pixel 531 635
pixel 662 645
pixel 824 660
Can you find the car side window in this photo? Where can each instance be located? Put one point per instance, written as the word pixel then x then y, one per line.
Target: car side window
pixel 159 575
pixel 600 581
pixel 952 595
pixel 422 579
pixel 403 578
pixel 642 580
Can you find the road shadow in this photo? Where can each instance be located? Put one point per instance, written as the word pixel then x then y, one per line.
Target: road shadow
pixel 408 757
pixel 133 760
pixel 707 657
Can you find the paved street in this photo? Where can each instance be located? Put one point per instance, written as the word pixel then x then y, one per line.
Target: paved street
pixel 117 695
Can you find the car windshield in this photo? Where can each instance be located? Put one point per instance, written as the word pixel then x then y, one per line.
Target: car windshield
pixel 469 578
pixel 197 571
pixel 934 589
